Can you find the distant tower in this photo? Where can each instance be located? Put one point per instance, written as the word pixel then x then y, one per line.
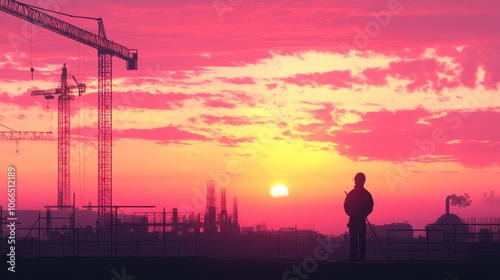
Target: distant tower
pixel 211 213
pixel 235 210
pixel 223 211
pixel 223 199
pixel 211 194
pixel 235 224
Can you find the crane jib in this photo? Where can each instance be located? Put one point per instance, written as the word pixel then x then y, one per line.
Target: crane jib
pixel 51 23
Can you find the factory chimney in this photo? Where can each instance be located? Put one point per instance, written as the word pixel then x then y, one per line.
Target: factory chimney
pixel 448 198
pixel 235 224
pixel 223 211
pixel 235 210
pixel 210 214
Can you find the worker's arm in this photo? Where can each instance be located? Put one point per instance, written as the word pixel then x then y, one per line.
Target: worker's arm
pixel 348 205
pixel 369 204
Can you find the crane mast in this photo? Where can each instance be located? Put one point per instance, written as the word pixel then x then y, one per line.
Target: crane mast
pixel 63 133
pixel 106 49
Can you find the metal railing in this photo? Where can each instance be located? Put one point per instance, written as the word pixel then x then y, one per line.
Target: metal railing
pixel 454 242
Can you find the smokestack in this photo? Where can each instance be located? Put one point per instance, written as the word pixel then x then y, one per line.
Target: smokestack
pixel 211 194
pixel 448 204
pixel 223 211
pixel 223 199
pixel 235 211
pixel 235 224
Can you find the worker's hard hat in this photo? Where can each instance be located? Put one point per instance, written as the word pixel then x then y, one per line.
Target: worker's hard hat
pixel 360 176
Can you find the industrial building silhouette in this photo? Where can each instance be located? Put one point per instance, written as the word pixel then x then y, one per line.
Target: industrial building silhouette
pixel 70 231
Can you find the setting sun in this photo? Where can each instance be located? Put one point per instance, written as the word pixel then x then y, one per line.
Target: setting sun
pixel 279 191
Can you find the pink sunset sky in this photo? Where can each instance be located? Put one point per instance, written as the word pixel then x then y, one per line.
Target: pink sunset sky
pixel 258 93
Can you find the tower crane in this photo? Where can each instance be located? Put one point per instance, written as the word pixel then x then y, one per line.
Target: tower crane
pixel 24 135
pixel 106 49
pixel 63 132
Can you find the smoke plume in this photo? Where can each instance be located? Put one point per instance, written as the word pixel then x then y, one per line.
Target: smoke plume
pixel 490 199
pixel 460 201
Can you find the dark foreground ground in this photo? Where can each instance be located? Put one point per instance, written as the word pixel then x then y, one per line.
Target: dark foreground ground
pixel 69 268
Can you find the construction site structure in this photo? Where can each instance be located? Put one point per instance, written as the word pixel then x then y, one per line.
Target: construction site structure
pixel 64 96
pixel 25 135
pixel 106 50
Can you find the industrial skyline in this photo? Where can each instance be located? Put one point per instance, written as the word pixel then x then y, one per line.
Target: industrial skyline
pixel 213 232
pixel 305 96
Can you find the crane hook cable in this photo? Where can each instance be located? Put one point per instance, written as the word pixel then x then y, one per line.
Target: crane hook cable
pixel 7 127
pixel 55 12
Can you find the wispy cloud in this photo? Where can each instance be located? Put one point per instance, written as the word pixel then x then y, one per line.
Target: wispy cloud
pixel 491 199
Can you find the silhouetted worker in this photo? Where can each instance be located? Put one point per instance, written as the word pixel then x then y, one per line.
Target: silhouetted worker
pixel 358 205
